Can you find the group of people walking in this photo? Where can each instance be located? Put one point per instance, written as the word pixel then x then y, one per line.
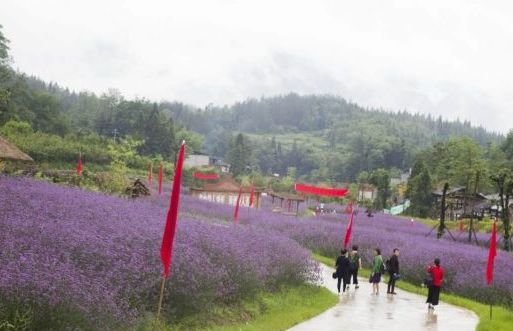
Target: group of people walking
pixel 349 262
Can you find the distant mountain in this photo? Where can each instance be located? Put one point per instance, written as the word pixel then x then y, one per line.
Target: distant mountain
pixel 337 139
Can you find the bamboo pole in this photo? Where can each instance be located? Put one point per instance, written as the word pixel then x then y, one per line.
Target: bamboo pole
pixel 161 296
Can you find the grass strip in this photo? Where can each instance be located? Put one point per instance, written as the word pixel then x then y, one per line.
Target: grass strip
pixel 278 310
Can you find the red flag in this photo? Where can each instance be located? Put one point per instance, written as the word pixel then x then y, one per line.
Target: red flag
pixel 349 208
pixel 462 227
pixel 199 175
pixel 150 174
pixel 166 250
pixel 349 230
pixel 80 166
pixel 236 212
pixel 252 196
pixel 330 192
pixel 491 254
pixel 161 178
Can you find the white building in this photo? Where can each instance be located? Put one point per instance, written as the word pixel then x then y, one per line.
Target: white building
pixel 197 160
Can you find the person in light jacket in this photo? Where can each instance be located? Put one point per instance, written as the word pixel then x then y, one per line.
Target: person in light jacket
pixel 377 267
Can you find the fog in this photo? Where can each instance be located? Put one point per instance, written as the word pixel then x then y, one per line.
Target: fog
pixel 450 59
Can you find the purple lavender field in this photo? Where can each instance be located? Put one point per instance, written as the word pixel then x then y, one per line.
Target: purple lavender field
pixel 82 258
pixel 465 263
pixel 78 258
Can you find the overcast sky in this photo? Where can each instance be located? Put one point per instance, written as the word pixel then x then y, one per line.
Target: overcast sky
pixel 449 58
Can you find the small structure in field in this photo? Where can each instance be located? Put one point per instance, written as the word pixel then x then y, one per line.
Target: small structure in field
pixel 286 203
pixel 137 189
pixel 226 191
pixel 461 204
pixel 9 152
pixel 367 192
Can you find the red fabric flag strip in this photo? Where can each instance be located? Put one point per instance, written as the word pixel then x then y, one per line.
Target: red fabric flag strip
pixel 252 196
pixel 349 208
pixel 202 176
pixel 462 226
pixel 329 192
pixel 166 249
pixel 150 174
pixel 491 254
pixel 237 206
pixel 161 178
pixel 80 166
pixel 349 230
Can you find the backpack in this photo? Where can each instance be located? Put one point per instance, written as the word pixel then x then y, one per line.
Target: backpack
pixel 382 268
pixel 353 262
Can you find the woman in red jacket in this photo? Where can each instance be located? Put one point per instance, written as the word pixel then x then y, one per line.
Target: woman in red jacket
pixel 437 276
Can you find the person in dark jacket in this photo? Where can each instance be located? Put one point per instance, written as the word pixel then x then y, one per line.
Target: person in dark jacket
pixel 354 265
pixel 393 271
pixel 437 278
pixel 342 265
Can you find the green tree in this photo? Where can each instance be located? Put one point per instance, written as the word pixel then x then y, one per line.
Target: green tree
pixel 503 179
pixel 239 155
pixel 418 190
pixel 381 179
pixel 159 135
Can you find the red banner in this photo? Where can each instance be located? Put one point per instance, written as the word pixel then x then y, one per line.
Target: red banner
pixel 166 250
pixel 202 176
pixel 329 192
pixel 237 206
pixel 252 196
pixel 349 230
pixel 349 208
pixel 80 166
pixel 161 178
pixel 491 254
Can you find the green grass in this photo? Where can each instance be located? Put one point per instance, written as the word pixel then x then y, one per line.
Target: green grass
pixel 502 318
pixel 269 311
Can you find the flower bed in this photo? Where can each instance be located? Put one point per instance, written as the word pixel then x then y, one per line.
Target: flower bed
pixel 72 258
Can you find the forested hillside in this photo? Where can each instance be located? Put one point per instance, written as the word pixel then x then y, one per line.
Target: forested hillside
pixel 324 137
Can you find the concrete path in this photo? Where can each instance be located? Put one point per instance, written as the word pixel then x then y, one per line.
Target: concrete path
pixel 360 310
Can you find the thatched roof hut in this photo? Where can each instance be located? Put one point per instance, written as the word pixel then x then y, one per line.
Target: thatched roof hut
pixel 10 152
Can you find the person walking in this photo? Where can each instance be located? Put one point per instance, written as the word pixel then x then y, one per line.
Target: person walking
pixel 342 265
pixel 435 284
pixel 393 271
pixel 377 269
pixel 355 263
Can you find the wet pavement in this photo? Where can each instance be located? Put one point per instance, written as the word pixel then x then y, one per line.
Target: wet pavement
pixel 360 310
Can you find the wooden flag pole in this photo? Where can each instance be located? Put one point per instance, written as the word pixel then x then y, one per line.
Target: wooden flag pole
pixel 161 296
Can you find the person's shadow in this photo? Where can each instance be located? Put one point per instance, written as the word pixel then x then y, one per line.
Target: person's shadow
pixel 432 321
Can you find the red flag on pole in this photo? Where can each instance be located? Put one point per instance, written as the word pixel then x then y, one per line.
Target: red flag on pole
pixel 199 175
pixel 491 254
pixel 349 230
pixel 166 250
pixel 349 208
pixel 161 178
pixel 150 174
pixel 252 196
pixel 80 166
pixel 462 226
pixel 237 205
